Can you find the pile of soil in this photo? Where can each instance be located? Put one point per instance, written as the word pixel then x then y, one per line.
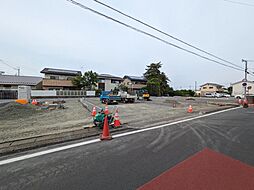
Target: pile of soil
pixel 14 110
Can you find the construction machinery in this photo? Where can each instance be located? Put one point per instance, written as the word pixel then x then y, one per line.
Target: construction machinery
pixel 143 94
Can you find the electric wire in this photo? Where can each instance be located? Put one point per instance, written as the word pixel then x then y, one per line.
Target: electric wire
pixel 240 3
pixel 150 35
pixel 164 33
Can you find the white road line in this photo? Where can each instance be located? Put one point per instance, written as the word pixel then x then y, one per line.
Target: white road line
pixel 37 154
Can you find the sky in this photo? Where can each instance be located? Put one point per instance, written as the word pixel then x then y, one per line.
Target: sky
pixel 58 34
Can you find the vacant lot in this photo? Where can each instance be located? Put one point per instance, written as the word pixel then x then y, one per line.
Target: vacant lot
pixel 23 121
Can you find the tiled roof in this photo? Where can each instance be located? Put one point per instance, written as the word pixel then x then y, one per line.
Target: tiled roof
pixel 19 80
pixel 213 84
pixel 61 72
pixel 108 76
pixel 136 78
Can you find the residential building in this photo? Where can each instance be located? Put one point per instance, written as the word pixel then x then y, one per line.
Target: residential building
pixel 58 79
pixel 210 88
pixel 108 82
pixel 11 82
pixel 9 85
pixel 238 88
pixel 134 83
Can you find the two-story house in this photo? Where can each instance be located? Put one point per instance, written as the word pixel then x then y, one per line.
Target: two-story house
pixel 135 83
pixel 108 82
pixel 58 79
pixel 210 88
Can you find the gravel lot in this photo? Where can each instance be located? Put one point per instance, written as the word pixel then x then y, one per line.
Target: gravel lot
pixel 23 121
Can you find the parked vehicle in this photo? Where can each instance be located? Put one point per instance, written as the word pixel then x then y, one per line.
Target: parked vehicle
pixel 239 96
pixel 209 95
pixel 226 95
pixel 126 97
pixel 107 97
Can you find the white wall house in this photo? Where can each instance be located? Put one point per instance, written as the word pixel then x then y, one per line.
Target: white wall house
pixel 238 89
pixel 108 82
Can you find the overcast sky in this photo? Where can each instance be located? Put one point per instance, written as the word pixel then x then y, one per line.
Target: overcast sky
pixel 54 33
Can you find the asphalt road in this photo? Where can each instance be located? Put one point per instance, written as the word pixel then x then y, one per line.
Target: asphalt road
pixel 131 161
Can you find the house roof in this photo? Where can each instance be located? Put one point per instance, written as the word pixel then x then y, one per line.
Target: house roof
pixel 213 84
pixel 108 76
pixel 61 72
pixel 136 78
pixel 241 82
pixel 19 80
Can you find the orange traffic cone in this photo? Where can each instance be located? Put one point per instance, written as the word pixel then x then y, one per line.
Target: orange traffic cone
pixel 190 110
pixel 106 110
pixel 117 122
pixel 94 112
pixel 34 102
pixel 245 103
pixel 105 133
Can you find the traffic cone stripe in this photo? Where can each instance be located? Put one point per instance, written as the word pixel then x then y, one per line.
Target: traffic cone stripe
pixel 105 133
pixel 117 122
pixel 190 110
pixel 106 110
pixel 34 102
pixel 94 111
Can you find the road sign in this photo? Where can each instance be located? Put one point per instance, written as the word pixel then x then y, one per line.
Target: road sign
pixel 244 84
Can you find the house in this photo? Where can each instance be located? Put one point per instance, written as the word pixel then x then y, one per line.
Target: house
pixel 134 83
pixel 9 85
pixel 238 88
pixel 11 82
pixel 210 88
pixel 108 82
pixel 58 79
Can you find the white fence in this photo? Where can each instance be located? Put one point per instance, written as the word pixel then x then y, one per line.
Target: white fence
pixel 61 93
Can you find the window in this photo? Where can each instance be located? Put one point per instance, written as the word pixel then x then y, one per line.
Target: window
pixel 204 87
pixel 115 81
pixel 54 77
pixel 101 81
pixel 69 78
pixel 211 87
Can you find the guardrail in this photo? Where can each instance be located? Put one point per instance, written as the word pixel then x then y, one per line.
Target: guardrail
pixel 61 93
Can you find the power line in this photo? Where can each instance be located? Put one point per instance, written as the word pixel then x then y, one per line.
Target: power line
pixel 15 68
pixel 162 32
pixel 150 35
pixel 7 64
pixel 240 3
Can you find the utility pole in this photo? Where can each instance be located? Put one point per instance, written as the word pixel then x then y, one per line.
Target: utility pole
pixel 195 86
pixel 245 76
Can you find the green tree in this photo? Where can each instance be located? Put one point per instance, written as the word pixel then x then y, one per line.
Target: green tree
pixel 87 81
pixel 157 81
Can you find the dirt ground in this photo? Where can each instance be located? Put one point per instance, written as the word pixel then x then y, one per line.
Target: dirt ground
pixel 162 109
pixel 23 121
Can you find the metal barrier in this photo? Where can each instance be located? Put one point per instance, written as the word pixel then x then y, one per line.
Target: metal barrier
pixel 8 94
pixel 58 93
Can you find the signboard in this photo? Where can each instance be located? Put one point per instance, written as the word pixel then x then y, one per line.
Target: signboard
pixel 90 93
pixel 24 92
